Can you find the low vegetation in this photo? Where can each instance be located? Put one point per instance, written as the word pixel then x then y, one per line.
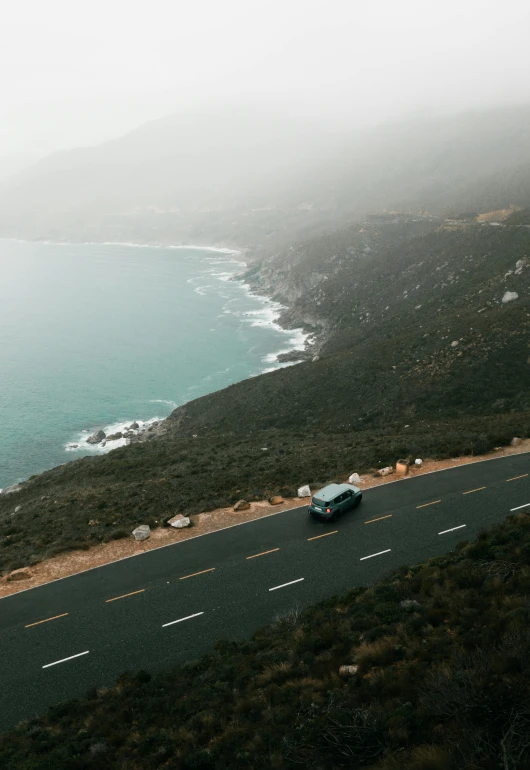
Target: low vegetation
pixel 443 682
pixel 417 356
pixel 95 500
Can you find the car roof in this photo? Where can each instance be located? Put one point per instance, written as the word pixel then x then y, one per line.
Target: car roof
pixel 331 491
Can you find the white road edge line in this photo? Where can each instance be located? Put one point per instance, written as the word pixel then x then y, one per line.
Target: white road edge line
pixel 519 507
pixel 452 530
pixel 56 662
pixel 180 620
pixel 375 554
pixel 286 584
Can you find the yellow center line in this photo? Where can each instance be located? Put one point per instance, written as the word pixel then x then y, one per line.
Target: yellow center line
pixel 55 617
pixel 324 535
pixel 473 490
pixel 197 573
pixel 255 556
pixel 379 519
pixel 426 504
pixel 518 477
pixel 133 593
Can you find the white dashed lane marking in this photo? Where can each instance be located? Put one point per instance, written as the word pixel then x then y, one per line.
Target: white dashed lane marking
pixel 63 660
pixel 181 620
pixel 445 531
pixel 283 585
pixel 379 553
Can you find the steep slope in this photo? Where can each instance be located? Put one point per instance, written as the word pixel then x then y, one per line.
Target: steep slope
pixel 419 356
pixel 415 324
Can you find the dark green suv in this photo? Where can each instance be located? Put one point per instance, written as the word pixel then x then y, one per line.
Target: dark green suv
pixel 331 501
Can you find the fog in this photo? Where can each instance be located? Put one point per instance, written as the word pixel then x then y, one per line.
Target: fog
pixel 77 74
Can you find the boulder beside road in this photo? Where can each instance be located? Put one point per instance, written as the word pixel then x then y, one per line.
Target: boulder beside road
pixel 304 491
pixel 142 532
pixel 179 521
pixel 354 479
pixel 276 500
pixel 241 505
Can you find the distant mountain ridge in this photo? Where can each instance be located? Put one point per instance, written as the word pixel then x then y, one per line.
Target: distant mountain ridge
pixel 261 178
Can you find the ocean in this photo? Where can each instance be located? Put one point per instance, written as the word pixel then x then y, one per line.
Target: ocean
pixel 97 336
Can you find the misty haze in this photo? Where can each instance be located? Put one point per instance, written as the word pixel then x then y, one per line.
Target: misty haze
pixel 265 385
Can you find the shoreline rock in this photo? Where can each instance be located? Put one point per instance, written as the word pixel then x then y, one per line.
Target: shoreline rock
pixel 97 437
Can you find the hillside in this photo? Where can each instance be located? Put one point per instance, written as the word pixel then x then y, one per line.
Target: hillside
pixel 259 180
pixel 418 355
pixel 441 681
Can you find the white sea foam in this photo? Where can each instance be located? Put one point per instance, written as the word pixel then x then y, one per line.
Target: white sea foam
pixel 163 401
pixel 192 247
pixel 201 290
pixel 80 443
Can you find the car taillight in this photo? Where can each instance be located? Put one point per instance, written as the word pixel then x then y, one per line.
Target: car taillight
pixel 328 510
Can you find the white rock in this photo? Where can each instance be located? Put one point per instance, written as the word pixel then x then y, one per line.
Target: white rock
pixel 18 508
pixel 454 344
pixel 304 491
pixel 509 296
pixel 179 521
pixel 348 670
pixel 142 532
pixel 354 479
pixel 418 463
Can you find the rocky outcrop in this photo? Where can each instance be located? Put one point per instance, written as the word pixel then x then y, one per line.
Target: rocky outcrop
pixel 97 437
pixel 142 532
pixel 294 356
pixel 134 426
pixel 509 296
pixel 115 436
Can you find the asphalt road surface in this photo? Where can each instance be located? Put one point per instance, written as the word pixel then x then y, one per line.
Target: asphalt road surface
pixel 172 604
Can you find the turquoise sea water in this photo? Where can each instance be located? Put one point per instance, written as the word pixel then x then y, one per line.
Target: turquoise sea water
pixel 97 336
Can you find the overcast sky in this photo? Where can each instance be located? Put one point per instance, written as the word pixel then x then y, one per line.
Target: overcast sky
pixel 76 73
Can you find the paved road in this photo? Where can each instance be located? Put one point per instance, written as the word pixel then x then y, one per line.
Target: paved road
pixel 170 605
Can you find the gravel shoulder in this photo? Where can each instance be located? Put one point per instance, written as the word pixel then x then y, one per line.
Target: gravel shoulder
pixel 73 562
